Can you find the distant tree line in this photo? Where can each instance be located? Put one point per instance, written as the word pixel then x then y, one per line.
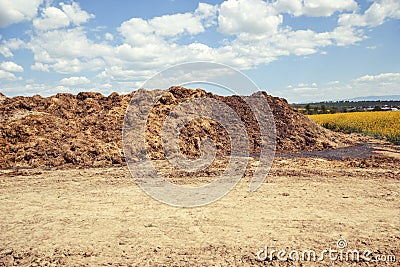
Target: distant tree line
pixel 346 106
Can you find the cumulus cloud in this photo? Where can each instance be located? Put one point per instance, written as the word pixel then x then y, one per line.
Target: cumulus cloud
pixel 244 17
pixel 76 53
pixel 379 84
pixel 315 8
pixel 54 18
pixel 108 36
pixel 75 65
pixel 375 15
pixel 71 81
pixel 29 89
pixel 171 25
pixel 254 32
pixel 76 15
pixel 14 11
pixel 332 82
pixel 51 18
pixel 38 66
pixel 8 45
pixel 149 44
pixel 146 45
pixel 5 75
pixel 207 13
pixel 118 73
pixel 383 77
pixel 139 32
pixel 11 66
pixel 368 85
pixel 302 42
pixel 74 42
pixel 345 35
pixel 262 38
pixel 66 66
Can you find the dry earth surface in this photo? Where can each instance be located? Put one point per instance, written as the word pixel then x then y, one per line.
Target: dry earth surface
pixel 66 197
pixel 99 216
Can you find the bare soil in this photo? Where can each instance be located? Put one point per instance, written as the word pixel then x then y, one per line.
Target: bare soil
pixel 99 216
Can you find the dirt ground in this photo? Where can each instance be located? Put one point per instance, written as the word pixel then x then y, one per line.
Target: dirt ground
pixel 78 217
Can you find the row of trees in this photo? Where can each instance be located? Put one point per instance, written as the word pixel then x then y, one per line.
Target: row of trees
pixel 323 109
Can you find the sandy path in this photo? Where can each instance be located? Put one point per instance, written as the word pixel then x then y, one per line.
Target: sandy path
pixel 101 217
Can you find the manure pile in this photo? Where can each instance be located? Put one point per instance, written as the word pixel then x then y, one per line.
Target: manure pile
pixel 84 130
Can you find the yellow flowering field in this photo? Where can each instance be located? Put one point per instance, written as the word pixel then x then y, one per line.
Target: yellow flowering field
pixel 384 124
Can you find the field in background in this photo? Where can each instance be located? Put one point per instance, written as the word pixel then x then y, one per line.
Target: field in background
pixel 381 124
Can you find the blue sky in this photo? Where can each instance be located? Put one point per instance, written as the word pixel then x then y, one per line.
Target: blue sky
pixel 303 50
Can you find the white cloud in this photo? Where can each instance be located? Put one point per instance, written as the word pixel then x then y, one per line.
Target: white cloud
pixel 61 89
pixel 5 51
pixel 118 73
pixel 38 66
pixel 294 7
pixel 139 32
pixel 315 8
pixel 261 38
pixel 11 66
pixel 33 88
pixel 345 35
pixel 301 42
pixel 383 77
pixel 8 45
pixel 146 45
pixel 66 66
pixel 191 23
pixel 74 42
pixel 254 32
pixel 108 36
pixel 75 14
pixel 307 90
pixel 51 18
pixel 372 47
pixel 54 18
pixel 5 75
pixel 14 11
pixel 71 81
pixel 70 66
pixel 207 13
pixel 77 53
pixel 172 25
pixel 248 17
pixel 375 15
pixel 379 84
pixel 332 82
pixel 367 85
